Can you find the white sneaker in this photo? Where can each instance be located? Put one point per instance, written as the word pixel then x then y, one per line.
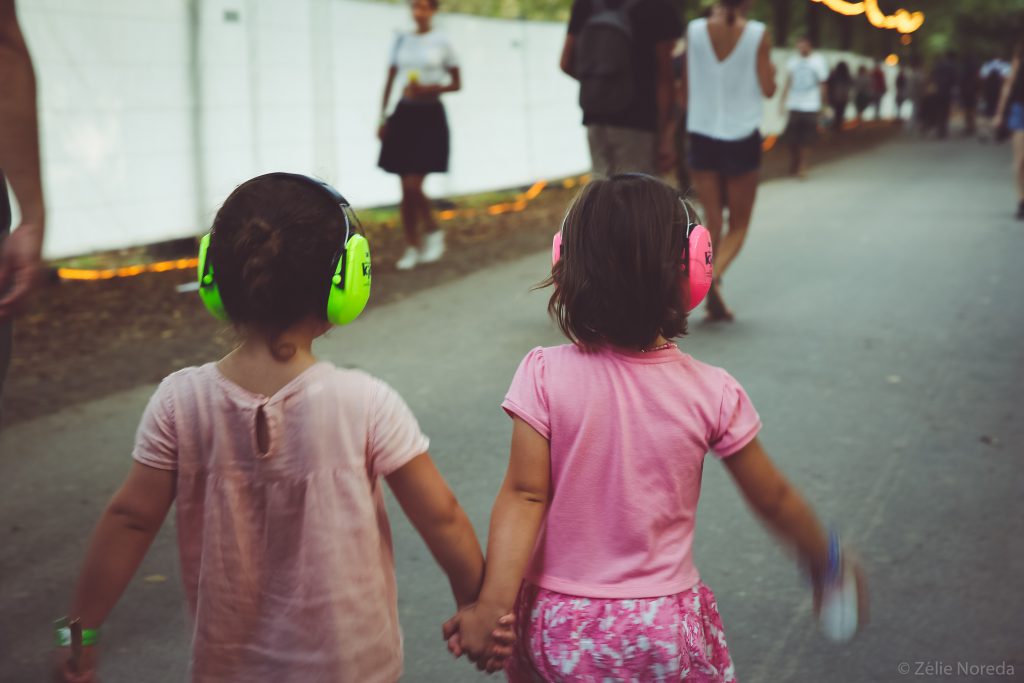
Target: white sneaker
pixel 409 259
pixel 433 247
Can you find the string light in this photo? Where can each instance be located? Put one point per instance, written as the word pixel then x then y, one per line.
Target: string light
pixel 892 59
pixel 902 20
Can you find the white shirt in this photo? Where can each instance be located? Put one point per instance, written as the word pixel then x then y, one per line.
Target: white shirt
pixel 427 56
pixel 725 98
pixel 806 74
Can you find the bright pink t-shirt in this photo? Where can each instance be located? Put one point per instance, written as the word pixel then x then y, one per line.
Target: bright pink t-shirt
pixel 628 433
pixel 286 556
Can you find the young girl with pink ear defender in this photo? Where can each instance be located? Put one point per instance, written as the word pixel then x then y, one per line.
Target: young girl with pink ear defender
pixel 274 461
pixel 591 532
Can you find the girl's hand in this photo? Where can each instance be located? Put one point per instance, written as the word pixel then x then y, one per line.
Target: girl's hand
pixel 489 641
pixel 382 130
pixel 84 670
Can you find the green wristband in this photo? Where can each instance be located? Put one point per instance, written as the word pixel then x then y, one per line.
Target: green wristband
pixel 62 634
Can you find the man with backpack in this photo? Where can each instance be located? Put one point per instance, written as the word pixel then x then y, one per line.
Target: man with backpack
pixel 621 53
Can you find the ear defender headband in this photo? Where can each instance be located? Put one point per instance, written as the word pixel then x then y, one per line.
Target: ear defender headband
pixel 350 282
pixel 697 262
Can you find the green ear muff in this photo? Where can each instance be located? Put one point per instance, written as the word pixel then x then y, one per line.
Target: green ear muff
pixel 207 286
pixel 350 285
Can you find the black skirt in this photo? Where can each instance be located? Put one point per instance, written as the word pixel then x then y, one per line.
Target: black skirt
pixel 416 139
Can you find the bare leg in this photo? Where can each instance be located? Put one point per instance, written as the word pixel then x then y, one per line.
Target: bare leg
pixel 410 208
pixel 742 191
pixel 425 209
pixel 1018 162
pixel 709 190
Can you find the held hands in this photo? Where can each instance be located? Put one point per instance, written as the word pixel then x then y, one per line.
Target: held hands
pixel 485 635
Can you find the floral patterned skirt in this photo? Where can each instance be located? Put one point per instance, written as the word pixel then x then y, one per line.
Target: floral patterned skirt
pixel 567 638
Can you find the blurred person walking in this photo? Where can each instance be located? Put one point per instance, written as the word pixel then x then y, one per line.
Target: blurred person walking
pixel 993 74
pixel 802 98
pixel 620 51
pixel 878 89
pixel 941 85
pixel 1010 118
pixel 863 91
pixel 840 87
pixel 969 88
pixel 21 250
pixel 902 92
pixel 415 137
pixel 728 73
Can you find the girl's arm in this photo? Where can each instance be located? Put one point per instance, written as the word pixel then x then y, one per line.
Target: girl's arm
pixel 123 535
pixel 780 505
pixel 433 510
pixel 765 68
pixel 515 521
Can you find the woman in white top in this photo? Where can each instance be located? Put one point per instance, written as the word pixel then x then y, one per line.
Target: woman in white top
pixel 728 73
pixel 415 137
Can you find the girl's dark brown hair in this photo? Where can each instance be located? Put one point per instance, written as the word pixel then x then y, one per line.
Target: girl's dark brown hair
pixel 618 280
pixel 272 249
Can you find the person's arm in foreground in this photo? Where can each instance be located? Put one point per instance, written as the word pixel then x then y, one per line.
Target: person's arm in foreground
pixel 765 68
pixel 515 522
pixel 21 252
pixel 781 506
pixel 120 541
pixel 665 94
pixel 568 49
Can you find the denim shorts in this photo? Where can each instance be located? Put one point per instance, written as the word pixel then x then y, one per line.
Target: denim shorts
pixel 1015 121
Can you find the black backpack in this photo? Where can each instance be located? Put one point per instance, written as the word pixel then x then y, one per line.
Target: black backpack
pixel 603 59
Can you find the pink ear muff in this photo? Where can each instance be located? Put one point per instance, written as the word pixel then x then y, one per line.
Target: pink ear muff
pixel 701 270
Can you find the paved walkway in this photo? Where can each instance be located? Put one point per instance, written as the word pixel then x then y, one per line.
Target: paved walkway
pixel 879 332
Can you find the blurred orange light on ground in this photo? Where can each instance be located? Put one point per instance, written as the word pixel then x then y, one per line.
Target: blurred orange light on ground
pixel 519 204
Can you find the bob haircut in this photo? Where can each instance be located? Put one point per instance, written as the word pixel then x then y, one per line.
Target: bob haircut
pixel 619 278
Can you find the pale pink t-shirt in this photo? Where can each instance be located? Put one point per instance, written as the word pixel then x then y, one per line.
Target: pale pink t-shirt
pixel 286 556
pixel 628 433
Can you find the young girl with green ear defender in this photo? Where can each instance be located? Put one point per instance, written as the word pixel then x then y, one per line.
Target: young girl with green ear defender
pixel 274 461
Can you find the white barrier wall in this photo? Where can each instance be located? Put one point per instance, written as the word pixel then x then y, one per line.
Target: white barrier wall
pixel 151 112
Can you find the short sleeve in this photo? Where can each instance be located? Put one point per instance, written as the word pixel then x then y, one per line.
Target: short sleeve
pixel 822 69
pixel 394 436
pixel 578 16
pixel 451 59
pixel 156 440
pixel 393 57
pixel 526 397
pixel 738 422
